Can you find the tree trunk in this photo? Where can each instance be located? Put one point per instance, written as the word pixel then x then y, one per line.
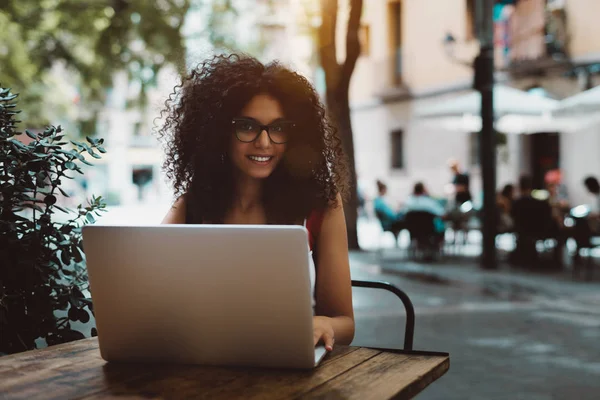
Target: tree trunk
pixel 339 108
pixel 337 79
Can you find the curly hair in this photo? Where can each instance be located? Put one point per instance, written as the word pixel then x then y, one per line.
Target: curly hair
pixel 197 132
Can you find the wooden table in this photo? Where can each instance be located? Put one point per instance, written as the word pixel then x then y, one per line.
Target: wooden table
pixel 75 370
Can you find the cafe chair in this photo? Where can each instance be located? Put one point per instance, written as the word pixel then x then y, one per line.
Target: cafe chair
pixel 409 328
pixel 384 232
pixel 585 241
pixel 424 241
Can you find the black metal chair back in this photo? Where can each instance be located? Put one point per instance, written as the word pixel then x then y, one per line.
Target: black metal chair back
pixel 420 224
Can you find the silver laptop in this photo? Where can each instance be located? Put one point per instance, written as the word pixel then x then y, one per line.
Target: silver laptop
pixel 234 295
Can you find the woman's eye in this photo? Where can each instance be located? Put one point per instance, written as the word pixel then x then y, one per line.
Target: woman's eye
pixel 276 128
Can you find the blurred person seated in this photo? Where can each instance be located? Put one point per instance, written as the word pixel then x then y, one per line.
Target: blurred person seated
pixel 504 201
pixel 421 201
pixel 424 218
pixel 533 221
pixel 391 221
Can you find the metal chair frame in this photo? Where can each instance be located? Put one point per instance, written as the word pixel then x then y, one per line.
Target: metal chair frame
pixel 409 328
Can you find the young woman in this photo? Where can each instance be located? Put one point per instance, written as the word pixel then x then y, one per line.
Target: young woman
pixel 249 143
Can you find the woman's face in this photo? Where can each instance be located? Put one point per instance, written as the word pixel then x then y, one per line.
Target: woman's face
pixel 254 152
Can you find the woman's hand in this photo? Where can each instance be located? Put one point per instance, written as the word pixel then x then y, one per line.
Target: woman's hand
pixel 323 332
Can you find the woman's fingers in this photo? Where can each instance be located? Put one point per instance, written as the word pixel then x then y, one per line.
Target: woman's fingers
pixel 328 340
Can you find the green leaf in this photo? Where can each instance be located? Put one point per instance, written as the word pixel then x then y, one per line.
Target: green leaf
pixel 30 134
pixel 76 253
pixel 62 192
pixel 72 313
pixel 70 165
pixel 92 153
pixel 18 144
pixel 65 256
pixel 70 153
pixel 36 207
pixel 101 149
pixel 90 218
pixel 61 209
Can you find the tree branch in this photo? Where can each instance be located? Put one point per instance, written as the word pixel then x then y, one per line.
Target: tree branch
pixel 352 41
pixel 327 47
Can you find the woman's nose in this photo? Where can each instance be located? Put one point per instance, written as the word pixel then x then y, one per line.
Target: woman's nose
pixel 263 139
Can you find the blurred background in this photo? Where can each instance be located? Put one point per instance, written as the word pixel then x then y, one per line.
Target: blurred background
pixel 103 69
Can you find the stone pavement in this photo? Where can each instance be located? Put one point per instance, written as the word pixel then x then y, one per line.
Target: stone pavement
pixel 510 334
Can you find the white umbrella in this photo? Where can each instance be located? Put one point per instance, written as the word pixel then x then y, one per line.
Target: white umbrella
pixel 516 112
pixel 507 101
pixel 582 103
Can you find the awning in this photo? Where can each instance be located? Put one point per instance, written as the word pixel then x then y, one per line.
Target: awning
pixel 582 103
pixel 514 124
pixel 507 101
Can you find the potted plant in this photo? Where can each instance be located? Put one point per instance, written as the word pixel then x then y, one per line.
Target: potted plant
pixel 43 278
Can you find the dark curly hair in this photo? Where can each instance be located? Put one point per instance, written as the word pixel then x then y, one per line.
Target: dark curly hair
pixel 197 132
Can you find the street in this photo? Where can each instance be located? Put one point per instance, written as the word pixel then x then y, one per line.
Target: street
pixel 510 335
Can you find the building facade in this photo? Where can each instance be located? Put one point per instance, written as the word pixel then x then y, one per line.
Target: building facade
pixel 544 48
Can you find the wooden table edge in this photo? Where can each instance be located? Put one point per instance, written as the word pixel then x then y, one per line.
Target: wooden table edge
pixel 417 387
pixel 411 390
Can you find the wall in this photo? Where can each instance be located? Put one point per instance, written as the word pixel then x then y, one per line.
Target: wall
pixel 425 25
pixel 425 64
pixel 583 27
pixel 580 157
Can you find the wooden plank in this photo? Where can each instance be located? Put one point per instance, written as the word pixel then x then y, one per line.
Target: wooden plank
pixel 232 383
pixel 33 369
pixel 76 370
pixel 72 350
pixel 59 382
pixel 387 375
pixel 256 384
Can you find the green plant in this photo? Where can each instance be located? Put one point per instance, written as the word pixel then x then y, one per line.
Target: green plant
pixel 42 270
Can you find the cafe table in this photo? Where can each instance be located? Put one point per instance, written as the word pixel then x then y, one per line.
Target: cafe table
pixel 76 371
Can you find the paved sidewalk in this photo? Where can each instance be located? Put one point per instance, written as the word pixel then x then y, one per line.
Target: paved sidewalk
pixel 511 334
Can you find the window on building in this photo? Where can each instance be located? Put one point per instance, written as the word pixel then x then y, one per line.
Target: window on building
pixel 395 39
pixel 474 143
pixel 137 129
pixel 398 149
pixel 142 176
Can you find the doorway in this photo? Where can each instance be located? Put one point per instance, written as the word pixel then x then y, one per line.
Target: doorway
pixel 545 156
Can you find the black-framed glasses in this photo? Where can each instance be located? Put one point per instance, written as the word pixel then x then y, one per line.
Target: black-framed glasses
pixel 247 130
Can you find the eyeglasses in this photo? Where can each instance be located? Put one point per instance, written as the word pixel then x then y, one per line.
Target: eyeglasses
pixel 247 130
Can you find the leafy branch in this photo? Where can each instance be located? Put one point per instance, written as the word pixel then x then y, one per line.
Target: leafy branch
pixel 42 270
